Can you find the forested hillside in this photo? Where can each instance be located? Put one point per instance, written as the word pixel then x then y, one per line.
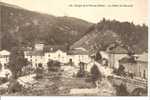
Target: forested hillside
pixel 106 32
pixel 23 27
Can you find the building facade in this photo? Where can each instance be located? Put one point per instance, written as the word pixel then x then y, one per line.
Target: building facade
pixel 138 67
pixel 78 55
pixel 43 53
pixel 4 58
pixel 115 54
pixel 35 58
pixel 58 55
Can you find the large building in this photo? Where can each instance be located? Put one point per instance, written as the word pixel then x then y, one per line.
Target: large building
pixel 43 53
pixel 35 58
pixel 56 52
pixel 138 67
pixel 116 53
pixel 78 55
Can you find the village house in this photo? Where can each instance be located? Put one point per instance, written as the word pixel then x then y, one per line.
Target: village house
pixel 39 46
pixel 55 52
pixel 136 66
pixel 78 55
pixel 116 53
pixel 41 54
pixel 4 58
pixel 35 58
pixel 36 55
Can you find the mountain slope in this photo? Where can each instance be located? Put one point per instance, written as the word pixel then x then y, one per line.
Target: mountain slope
pixel 107 32
pixel 23 27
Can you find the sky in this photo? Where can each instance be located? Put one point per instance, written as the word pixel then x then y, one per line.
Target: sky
pixel 137 14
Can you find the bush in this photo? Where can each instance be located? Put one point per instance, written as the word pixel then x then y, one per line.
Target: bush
pixel 53 65
pixel 121 71
pixel 122 90
pixel 95 73
pixel 3 80
pixel 81 73
pixel 39 71
pixel 14 86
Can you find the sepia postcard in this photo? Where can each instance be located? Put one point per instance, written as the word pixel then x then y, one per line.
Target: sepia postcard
pixel 74 47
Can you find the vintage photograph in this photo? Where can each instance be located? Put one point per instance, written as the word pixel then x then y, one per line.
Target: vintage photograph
pixel 73 47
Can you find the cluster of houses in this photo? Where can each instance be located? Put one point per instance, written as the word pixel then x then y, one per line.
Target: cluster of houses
pixel 43 53
pixel 137 64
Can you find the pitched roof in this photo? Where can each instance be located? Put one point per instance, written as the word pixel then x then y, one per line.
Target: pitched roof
pixel 117 50
pixel 4 53
pixel 26 48
pixel 127 59
pixel 54 48
pixel 78 52
pixel 35 53
pixel 143 57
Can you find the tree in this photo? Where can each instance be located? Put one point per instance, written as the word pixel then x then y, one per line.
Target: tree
pixel 49 65
pixel 0 66
pixel 95 73
pixel 121 71
pixel 81 72
pixel 98 56
pixel 17 62
pixel 122 90
pixel 40 65
pixel 39 71
pixel 53 65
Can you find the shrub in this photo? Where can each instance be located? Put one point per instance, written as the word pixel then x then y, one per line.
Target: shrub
pixel 53 65
pixel 39 71
pixel 14 86
pixel 95 73
pixel 122 90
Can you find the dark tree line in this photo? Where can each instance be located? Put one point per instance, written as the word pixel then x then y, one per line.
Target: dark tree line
pixel 134 36
pixel 17 62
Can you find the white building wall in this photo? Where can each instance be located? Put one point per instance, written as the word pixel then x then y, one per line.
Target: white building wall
pixel 35 60
pixel 4 60
pixel 114 59
pixel 4 57
pixel 79 58
pixel 39 46
pixel 58 55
